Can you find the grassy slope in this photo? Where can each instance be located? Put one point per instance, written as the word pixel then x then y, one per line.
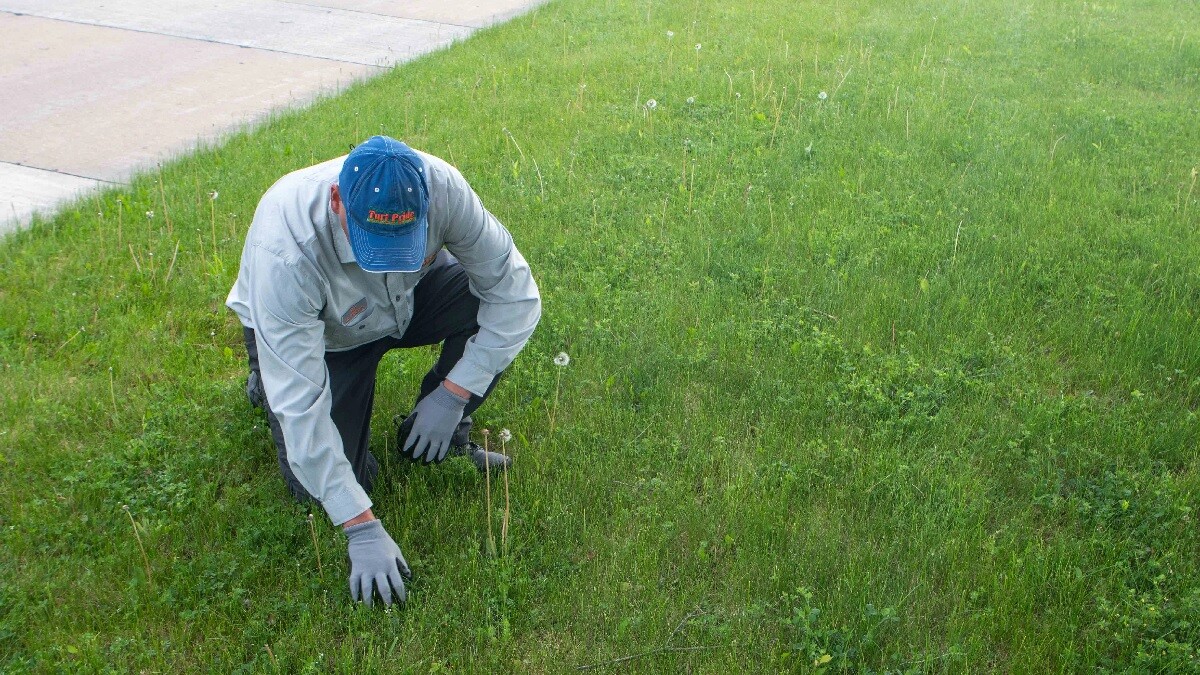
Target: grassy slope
pixel 907 376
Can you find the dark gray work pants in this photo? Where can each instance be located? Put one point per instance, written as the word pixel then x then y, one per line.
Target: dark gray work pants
pixel 443 311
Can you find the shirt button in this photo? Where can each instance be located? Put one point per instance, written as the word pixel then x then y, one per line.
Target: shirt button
pixel 398 298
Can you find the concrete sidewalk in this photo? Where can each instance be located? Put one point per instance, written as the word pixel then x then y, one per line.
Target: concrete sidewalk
pixel 94 92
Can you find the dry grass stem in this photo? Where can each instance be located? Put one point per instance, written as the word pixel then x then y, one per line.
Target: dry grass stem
pixel 145 558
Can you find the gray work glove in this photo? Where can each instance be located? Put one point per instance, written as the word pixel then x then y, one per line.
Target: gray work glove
pixel 434 420
pixel 375 561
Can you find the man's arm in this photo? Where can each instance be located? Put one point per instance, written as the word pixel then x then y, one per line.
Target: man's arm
pixel 509 303
pixel 285 307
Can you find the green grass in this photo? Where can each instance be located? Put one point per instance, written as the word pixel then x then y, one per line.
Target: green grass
pixel 901 379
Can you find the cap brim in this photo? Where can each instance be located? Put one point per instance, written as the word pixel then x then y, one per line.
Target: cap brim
pixel 403 250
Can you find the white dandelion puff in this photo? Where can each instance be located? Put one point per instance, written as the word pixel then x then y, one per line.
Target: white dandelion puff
pixel 149 215
pixel 670 34
pixel 651 104
pixel 691 100
pixel 562 359
pixel 697 46
pixel 822 96
pixel 213 195
pixel 505 435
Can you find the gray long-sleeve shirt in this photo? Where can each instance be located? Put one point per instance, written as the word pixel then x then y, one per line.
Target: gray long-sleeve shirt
pixel 302 292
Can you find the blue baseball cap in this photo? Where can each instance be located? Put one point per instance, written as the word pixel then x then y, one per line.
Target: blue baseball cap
pixel 387 205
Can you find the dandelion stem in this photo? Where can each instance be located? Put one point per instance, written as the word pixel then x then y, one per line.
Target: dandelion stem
pixel 504 519
pixel 313 530
pixel 554 410
pixel 487 477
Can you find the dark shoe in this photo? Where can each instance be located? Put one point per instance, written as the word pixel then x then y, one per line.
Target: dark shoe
pixel 484 460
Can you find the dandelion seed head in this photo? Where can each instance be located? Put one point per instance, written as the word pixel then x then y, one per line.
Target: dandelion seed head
pixel 149 215
pixel 562 359
pixel 822 96
pixel 670 34
pixel 697 46
pixel 691 100
pixel 651 104
pixel 505 435
pixel 213 195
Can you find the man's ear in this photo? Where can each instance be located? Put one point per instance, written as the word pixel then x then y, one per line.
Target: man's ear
pixel 335 198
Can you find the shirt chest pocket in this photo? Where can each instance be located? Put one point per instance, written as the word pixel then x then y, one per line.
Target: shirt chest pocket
pixel 351 326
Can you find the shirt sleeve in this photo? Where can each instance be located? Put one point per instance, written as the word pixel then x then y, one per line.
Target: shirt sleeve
pixel 509 303
pixel 285 309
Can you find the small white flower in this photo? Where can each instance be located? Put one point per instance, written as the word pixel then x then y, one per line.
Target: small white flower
pixel 822 96
pixel 808 149
pixel 691 100
pixel 651 104
pixel 213 195
pixel 562 359
pixel 737 94
pixel 670 34
pixel 149 215
pixel 505 435
pixel 697 46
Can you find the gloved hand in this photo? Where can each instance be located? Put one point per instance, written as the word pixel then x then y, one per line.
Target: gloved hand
pixel 375 561
pixel 434 420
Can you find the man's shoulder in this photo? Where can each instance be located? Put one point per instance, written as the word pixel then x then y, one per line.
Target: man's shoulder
pixel 440 173
pixel 293 211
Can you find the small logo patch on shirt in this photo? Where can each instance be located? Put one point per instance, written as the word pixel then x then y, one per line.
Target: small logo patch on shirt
pixel 356 312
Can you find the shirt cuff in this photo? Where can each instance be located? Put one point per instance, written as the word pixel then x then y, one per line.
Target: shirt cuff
pixel 346 503
pixel 470 377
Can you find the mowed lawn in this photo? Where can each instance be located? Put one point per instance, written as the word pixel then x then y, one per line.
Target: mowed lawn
pixel 884 357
